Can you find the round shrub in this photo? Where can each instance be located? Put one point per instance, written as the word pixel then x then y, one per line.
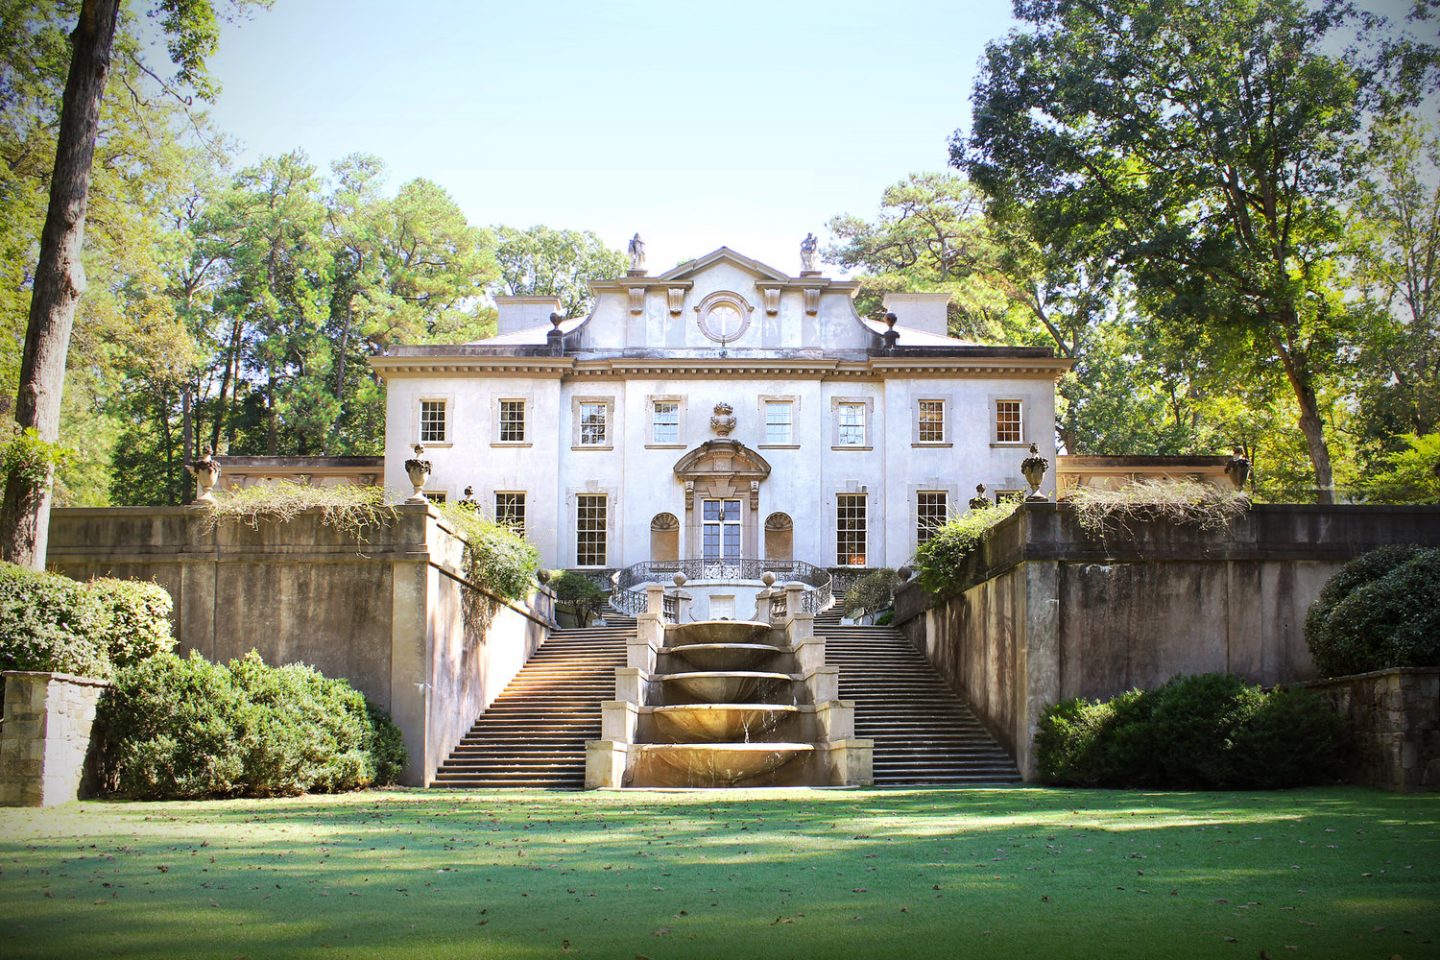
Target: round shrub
pixel 181 728
pixel 872 592
pixel 52 623
pixel 1381 610
pixel 138 619
pixel 1295 738
pixel 1192 722
pixel 1207 731
pixel 170 729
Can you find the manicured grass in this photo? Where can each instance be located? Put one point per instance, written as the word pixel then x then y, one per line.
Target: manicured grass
pixel 1014 873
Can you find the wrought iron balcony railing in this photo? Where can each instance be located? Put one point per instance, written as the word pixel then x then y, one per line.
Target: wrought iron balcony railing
pixel 626 595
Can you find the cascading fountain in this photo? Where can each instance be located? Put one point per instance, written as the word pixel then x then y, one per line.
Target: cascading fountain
pixel 726 703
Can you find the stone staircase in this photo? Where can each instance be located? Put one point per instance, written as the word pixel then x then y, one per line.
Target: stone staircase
pixel 923 732
pixel 534 734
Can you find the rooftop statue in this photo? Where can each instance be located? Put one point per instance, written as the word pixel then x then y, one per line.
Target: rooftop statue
pixel 807 253
pixel 636 249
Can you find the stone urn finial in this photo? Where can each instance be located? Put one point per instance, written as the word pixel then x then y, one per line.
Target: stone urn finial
pixel 724 420
pixel 418 471
pixel 206 472
pixel 1034 467
pixel 979 501
pixel 1238 469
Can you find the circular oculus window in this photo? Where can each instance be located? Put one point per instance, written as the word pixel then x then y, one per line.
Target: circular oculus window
pixel 724 319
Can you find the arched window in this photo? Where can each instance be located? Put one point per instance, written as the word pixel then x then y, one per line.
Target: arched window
pixel 779 537
pixel 664 537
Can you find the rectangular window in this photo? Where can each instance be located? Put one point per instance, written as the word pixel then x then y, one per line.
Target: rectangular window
pixel 590 524
pixel 512 421
pixel 932 508
pixel 932 421
pixel 779 421
pixel 432 421
pixel 1007 421
pixel 665 422
pixel 435 496
pixel 850 529
pixel 510 511
pixel 852 424
pixel 593 432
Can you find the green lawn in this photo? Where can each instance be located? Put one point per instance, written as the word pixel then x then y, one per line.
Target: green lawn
pixel 1014 873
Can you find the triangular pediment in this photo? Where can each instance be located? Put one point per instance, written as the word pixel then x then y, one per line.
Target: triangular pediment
pixel 690 268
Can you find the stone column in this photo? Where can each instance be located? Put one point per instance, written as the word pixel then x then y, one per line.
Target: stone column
pixel 46 737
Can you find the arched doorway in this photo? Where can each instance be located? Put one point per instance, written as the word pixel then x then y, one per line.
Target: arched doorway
pixel 664 537
pixel 722 500
pixel 779 537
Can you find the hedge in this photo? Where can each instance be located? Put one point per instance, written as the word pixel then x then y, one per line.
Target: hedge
pixel 52 623
pixel 176 727
pixel 1203 731
pixel 1380 610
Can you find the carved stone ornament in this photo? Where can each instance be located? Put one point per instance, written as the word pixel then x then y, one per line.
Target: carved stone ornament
pixel 724 420
pixel 206 472
pixel 1238 469
pixel 812 300
pixel 675 300
pixel 418 471
pixel 1034 467
pixel 979 501
pixel 771 296
pixel 637 300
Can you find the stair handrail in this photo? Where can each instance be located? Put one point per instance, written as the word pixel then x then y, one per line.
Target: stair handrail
pixel 624 598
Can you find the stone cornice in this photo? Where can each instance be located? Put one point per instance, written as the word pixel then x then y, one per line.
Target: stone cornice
pixel 985 363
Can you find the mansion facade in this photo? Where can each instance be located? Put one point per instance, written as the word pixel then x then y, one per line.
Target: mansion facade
pixel 720 410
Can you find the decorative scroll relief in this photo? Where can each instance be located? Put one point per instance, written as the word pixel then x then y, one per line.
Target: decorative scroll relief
pixel 812 300
pixel 771 296
pixel 675 299
pixel 637 300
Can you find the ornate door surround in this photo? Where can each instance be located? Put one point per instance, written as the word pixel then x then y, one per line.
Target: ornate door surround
pixel 722 470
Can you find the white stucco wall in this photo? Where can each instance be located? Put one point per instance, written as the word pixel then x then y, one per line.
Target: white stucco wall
pixel 628 356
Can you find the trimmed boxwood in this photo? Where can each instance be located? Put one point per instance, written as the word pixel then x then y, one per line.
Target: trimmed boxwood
pixel 176 727
pixel 1380 610
pixel 49 622
pixel 137 619
pixel 1203 731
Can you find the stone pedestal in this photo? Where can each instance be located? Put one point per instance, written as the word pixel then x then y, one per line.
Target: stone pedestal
pixel 46 737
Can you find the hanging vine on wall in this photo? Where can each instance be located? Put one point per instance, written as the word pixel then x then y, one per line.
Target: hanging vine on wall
pixel 496 559
pixel 1191 503
pixel 347 508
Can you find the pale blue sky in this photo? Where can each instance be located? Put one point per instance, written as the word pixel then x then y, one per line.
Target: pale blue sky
pixel 740 123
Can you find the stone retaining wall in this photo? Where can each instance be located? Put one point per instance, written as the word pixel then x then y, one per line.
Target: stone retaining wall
pixel 1396 718
pixel 384 610
pixel 45 737
pixel 1047 612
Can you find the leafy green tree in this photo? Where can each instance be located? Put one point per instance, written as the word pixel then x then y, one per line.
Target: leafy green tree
pixel 1205 146
pixel 1397 222
pixel 58 279
pixel 541 261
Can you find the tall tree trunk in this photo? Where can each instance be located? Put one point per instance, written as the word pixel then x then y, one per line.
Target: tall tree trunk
pixel 1297 370
pixel 340 380
pixel 59 278
pixel 232 368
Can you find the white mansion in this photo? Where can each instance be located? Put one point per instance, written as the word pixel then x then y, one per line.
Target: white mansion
pixel 720 410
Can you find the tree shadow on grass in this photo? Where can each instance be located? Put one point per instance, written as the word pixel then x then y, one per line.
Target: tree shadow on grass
pixel 844 873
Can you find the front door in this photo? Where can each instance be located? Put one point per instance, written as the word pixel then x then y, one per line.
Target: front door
pixel 720 531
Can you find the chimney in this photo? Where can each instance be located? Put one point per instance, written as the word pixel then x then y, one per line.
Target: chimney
pixel 525 313
pixel 919 311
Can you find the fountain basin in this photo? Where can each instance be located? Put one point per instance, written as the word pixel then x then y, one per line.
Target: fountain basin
pixel 726 656
pixel 723 686
pixel 717 631
pixel 719 722
pixel 713 764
